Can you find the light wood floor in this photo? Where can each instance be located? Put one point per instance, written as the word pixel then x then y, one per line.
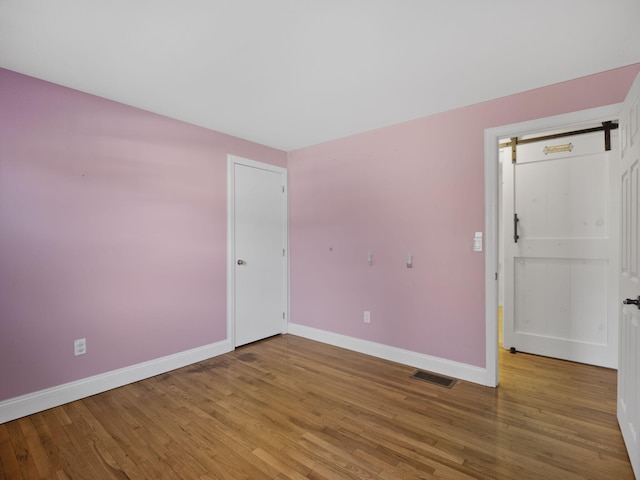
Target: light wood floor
pixel 293 408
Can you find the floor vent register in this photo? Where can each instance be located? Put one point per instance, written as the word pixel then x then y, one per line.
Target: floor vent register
pixel 434 378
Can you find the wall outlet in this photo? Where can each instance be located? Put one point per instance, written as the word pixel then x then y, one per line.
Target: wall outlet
pixel 80 346
pixel 367 316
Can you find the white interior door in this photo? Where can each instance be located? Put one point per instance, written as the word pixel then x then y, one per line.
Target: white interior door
pixel 258 251
pixel 561 271
pixel 629 369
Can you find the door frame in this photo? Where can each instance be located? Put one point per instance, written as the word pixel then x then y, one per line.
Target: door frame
pixel 232 161
pixel 492 137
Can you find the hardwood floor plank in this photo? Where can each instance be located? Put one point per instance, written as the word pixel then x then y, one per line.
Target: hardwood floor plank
pixel 20 448
pixel 291 408
pixel 36 448
pixel 9 466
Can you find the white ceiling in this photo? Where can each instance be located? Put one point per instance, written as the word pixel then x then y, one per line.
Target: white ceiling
pixel 292 73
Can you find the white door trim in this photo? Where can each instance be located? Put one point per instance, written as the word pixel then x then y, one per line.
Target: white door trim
pixel 233 160
pixel 491 215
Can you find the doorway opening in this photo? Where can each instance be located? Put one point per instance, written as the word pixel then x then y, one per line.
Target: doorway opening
pixel 559 244
pixel 493 213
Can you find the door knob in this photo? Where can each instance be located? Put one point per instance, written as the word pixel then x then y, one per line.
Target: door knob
pixel 241 262
pixel 631 301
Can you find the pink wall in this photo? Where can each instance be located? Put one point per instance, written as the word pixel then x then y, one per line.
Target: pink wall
pixel 416 186
pixel 112 227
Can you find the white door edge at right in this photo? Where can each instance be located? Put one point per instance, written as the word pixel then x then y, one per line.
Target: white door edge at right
pixel 629 363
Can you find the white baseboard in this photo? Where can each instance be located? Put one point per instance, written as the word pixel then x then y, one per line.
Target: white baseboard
pixel 442 366
pixel 52 397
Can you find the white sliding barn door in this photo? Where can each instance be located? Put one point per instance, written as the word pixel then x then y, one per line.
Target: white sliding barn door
pixel 629 369
pixel 560 271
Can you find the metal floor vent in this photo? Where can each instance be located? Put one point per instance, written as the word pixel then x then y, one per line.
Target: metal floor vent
pixel 434 378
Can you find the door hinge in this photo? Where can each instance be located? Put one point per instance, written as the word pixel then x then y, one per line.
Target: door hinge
pixel 283 315
pixel 283 252
pixel 496 275
pixel 283 189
